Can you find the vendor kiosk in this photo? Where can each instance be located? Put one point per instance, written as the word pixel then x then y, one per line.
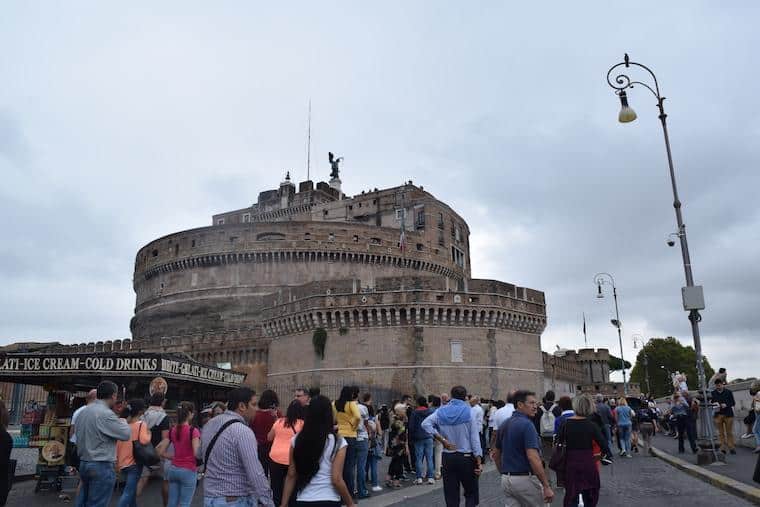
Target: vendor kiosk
pixel 68 376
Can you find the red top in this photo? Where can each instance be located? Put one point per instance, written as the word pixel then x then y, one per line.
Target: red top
pixel 181 438
pixel 262 423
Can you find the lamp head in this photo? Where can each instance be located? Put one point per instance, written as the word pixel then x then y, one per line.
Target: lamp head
pixel 627 114
pixel 599 294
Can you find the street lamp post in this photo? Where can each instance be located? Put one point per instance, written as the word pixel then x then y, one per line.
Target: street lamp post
pixel 637 338
pixel 601 279
pixel 692 295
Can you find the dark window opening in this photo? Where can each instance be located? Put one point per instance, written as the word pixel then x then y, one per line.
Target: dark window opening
pixel 356 238
pixel 375 241
pixel 192 244
pixel 154 253
pixel 420 246
pixel 440 220
pixel 176 249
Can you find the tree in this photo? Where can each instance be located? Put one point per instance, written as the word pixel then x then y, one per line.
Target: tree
pixel 663 355
pixel 614 364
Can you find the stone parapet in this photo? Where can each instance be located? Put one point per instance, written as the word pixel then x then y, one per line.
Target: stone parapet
pixel 402 308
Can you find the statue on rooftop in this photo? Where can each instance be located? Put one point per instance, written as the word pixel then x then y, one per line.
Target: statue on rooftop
pixel 334 161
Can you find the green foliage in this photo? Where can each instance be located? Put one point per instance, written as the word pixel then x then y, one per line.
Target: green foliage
pixel 319 340
pixel 615 364
pixel 667 352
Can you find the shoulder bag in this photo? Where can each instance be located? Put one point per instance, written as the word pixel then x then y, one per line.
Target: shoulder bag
pixel 202 468
pixel 144 454
pixel 558 462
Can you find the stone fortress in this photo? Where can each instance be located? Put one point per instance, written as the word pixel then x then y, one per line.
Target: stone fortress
pixel 309 286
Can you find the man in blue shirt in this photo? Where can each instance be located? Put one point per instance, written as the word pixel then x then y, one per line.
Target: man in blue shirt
pixel 518 455
pixel 454 427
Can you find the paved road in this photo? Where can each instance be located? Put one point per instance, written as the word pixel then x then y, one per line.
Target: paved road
pixel 640 481
pixel 739 466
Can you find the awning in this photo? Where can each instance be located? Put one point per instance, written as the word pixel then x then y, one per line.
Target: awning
pixel 72 368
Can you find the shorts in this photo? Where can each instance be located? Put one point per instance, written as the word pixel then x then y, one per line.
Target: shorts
pixel 160 470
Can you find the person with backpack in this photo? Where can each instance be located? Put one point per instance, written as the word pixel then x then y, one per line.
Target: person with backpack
pixel 422 441
pixel 546 415
pixel 158 423
pixel 346 414
pixel 282 432
pixel 646 417
pixel 376 446
pixel 234 476
pixel 129 469
pixel 182 470
pixel 317 456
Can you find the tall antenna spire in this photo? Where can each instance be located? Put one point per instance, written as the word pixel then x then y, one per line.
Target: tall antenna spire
pixel 308 145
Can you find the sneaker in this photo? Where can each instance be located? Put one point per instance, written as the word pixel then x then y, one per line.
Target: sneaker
pixel 622 453
pixel 748 435
pixel 606 460
pixel 431 481
pixel 437 477
pixel 418 481
pixel 376 488
pixel 629 455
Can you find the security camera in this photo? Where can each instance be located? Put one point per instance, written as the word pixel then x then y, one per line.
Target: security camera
pixel 671 242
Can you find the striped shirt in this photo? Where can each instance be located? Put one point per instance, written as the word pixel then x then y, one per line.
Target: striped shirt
pixel 233 469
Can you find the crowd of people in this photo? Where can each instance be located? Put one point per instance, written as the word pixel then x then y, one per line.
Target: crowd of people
pixel 321 452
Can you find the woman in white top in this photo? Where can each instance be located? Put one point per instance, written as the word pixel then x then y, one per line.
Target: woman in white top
pixel 317 455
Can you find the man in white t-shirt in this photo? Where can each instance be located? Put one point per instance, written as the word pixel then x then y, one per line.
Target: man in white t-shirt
pixel 92 395
pixel 502 415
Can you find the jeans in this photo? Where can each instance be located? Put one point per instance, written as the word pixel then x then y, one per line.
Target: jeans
pixel 372 461
pixel 98 479
pixel 131 475
pixel 349 467
pixel 182 483
pixel 756 430
pixel 607 432
pixel 362 449
pixel 624 434
pixel 423 449
pixel 685 427
pixel 242 501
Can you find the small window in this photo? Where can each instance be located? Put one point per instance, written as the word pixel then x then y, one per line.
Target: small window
pixel 350 206
pixel 440 238
pixel 220 221
pixel 324 212
pixel 399 214
pixel 307 236
pixel 356 238
pixel 154 253
pixel 375 241
pixel 439 297
pixel 246 217
pixel 192 244
pixel 420 246
pixel 440 220
pixel 360 205
pixel 474 299
pixel 331 236
pixel 176 249
pixel 456 352
pixel 374 201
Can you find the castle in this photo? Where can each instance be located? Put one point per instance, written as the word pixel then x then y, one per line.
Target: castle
pixel 309 286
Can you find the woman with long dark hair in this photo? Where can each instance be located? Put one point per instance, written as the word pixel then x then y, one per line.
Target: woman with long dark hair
pixel 317 456
pixel 182 473
pixel 262 422
pixel 280 436
pixel 348 417
pixel 125 458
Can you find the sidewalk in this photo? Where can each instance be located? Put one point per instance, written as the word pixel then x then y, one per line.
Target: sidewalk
pixel 739 466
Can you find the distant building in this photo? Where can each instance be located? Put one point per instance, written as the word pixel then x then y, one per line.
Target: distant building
pixel 568 372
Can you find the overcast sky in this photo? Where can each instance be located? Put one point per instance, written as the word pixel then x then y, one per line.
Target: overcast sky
pixel 119 125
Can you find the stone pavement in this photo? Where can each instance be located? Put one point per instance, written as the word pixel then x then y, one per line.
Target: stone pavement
pixel 629 482
pixel 739 466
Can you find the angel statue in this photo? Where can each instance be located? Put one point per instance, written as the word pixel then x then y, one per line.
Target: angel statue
pixel 334 164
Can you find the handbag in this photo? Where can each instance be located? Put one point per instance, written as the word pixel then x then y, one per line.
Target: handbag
pixel 144 454
pixel 558 463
